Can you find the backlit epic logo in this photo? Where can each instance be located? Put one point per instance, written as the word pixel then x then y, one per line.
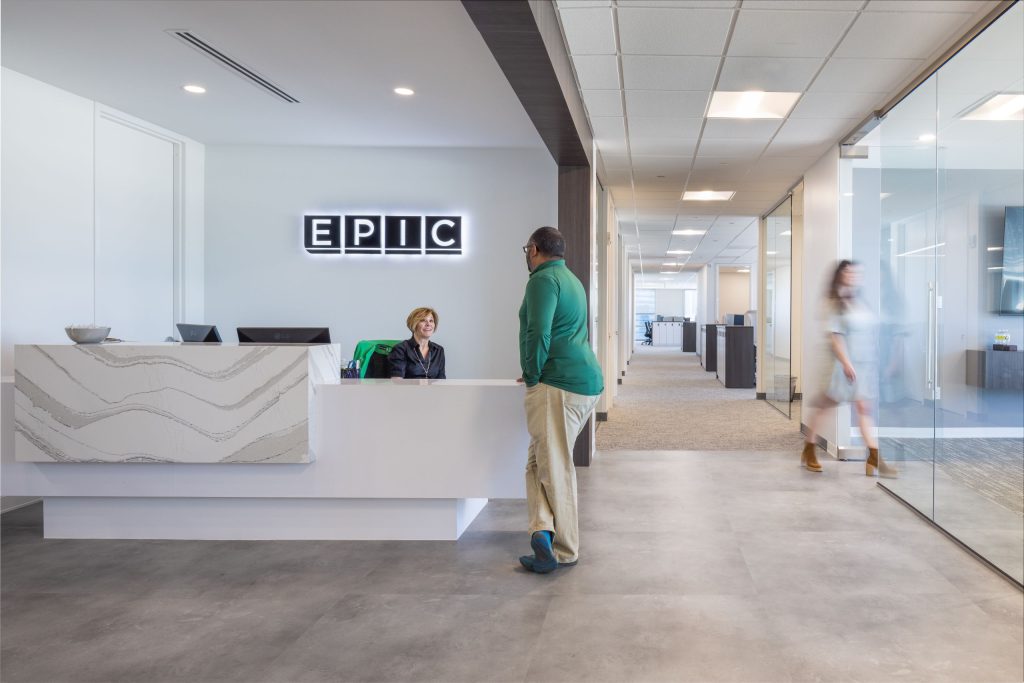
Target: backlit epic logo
pixel 383 234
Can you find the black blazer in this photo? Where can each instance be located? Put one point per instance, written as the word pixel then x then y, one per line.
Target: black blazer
pixel 407 362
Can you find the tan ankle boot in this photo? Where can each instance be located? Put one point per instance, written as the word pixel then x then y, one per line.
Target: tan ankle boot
pixel 875 462
pixel 809 459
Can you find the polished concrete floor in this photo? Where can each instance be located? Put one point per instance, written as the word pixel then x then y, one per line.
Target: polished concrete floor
pixel 695 566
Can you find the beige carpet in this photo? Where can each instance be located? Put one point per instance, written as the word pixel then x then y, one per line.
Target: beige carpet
pixel 668 402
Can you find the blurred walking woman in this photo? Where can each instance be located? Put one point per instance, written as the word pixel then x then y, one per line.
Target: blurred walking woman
pixel 418 357
pixel 853 337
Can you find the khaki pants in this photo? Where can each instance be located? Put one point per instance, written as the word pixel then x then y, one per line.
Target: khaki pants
pixel 554 418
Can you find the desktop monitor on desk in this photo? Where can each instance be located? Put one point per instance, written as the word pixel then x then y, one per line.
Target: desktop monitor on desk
pixel 284 335
pixel 199 333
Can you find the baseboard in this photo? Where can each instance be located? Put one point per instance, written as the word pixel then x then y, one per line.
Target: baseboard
pixel 798 396
pixel 761 396
pixel 620 380
pixel 601 417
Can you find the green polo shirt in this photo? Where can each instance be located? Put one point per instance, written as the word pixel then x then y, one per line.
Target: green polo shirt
pixel 553 344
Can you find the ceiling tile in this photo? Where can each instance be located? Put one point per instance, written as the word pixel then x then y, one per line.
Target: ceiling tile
pixel 651 31
pixel 603 102
pixel 787 34
pixel 744 129
pixel 615 161
pixel 661 147
pixel 837 105
pixel 828 5
pixel 656 127
pixel 668 73
pixel 911 35
pixel 666 103
pixel 924 6
pixel 865 75
pixel 575 4
pixel 683 4
pixel 608 127
pixel 612 146
pixel 730 148
pixel 588 31
pixel 782 165
pixel 597 72
pixel 771 74
pixel 725 165
pixel 813 130
pixel 804 150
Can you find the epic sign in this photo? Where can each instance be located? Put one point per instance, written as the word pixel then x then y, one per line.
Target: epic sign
pixel 383 234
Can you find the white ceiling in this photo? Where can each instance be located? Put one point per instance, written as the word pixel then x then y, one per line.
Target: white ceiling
pixel 647 68
pixel 340 59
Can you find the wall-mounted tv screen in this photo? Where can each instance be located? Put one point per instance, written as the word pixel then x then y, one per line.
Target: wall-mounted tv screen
pixel 1011 293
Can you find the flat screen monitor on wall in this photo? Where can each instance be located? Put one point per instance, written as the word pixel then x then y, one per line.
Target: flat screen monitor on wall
pixel 284 335
pixel 1011 293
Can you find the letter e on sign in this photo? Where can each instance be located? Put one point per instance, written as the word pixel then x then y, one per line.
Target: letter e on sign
pixel 443 234
pixel 322 234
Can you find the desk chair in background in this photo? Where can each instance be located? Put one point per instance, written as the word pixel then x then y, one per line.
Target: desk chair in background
pixel 372 355
pixel 648 333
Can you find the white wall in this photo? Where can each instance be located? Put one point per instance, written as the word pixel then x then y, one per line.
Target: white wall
pixel 820 252
pixel 257 272
pixel 668 302
pixel 706 295
pixel 733 293
pixel 54 221
pixel 56 213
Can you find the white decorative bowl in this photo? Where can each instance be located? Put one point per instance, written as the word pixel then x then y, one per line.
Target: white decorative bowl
pixel 87 334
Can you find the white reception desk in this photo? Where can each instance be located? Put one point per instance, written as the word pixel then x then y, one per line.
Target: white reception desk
pixel 191 441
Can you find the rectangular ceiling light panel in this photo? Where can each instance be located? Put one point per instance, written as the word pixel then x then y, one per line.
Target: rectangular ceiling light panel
pixel 708 196
pixel 751 104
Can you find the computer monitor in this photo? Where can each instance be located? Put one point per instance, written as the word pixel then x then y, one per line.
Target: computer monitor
pixel 199 333
pixel 284 335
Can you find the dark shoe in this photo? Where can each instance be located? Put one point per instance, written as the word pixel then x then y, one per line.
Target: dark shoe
pixel 531 563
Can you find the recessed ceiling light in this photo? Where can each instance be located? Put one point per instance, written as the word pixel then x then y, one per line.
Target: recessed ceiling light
pixel 752 104
pixel 847 194
pixel 995 249
pixel 405 92
pixel 667 272
pixel 674 252
pixel 743 270
pixel 926 137
pixel 885 195
pixel 688 231
pixel 194 89
pixel 771 253
pixel 708 196
pixel 999 107
pixel 995 268
pixel 786 232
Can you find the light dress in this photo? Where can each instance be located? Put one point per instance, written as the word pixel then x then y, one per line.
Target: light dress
pixel 858 326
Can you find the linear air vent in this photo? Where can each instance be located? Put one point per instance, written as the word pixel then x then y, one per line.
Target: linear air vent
pixel 193 41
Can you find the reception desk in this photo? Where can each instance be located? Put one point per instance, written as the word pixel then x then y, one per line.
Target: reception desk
pixel 368 459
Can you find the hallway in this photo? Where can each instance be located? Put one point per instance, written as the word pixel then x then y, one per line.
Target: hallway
pixel 667 401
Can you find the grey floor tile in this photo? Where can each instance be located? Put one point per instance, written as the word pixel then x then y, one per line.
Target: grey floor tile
pixel 417 638
pixel 657 638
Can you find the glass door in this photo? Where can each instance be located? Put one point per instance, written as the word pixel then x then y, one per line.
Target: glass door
pixel 777 375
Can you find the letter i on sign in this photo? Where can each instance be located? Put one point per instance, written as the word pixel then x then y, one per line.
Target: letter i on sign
pixel 403 235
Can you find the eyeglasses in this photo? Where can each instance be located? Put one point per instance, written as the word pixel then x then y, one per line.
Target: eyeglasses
pixel 526 248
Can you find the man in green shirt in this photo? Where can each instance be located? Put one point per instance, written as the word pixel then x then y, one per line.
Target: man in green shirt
pixel 563 381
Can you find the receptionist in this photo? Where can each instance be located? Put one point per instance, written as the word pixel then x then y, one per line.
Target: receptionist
pixel 418 357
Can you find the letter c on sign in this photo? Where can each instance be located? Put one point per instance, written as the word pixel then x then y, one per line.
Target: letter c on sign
pixel 437 240
pixel 360 224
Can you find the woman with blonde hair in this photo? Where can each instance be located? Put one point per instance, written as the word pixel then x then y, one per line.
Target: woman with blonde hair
pixel 418 357
pixel 853 375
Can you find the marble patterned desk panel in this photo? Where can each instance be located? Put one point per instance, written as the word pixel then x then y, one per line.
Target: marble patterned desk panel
pixel 168 403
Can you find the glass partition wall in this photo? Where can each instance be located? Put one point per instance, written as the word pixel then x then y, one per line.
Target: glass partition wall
pixel 935 223
pixel 778 299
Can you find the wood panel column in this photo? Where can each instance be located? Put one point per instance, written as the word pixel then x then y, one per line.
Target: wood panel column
pixel 527 44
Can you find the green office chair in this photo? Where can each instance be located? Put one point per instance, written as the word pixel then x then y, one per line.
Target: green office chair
pixel 372 355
